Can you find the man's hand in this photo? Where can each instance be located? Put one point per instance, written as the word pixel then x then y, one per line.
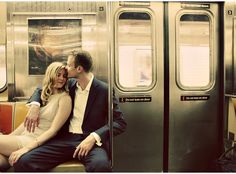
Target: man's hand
pixel 84 147
pixel 32 118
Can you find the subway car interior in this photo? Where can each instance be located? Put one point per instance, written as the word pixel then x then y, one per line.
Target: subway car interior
pixel 170 63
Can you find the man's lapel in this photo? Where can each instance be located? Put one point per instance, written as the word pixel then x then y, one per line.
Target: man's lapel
pixel 91 97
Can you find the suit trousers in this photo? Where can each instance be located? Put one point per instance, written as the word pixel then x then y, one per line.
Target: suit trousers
pixel 60 149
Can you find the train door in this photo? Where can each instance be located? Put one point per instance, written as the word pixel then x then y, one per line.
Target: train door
pixel 194 86
pixel 167 78
pixel 139 84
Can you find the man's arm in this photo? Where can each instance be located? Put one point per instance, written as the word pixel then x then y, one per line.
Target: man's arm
pixel 32 118
pixel 119 124
pixel 36 96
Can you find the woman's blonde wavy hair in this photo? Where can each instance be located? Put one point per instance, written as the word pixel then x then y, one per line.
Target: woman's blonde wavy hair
pixel 50 76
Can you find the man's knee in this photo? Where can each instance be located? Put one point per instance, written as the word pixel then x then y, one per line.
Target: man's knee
pixel 27 164
pixel 24 164
pixel 99 165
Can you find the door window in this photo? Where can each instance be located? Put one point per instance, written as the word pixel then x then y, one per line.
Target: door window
pixel 134 56
pixel 194 58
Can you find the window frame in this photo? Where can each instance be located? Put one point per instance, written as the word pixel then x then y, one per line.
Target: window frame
pixel 3 58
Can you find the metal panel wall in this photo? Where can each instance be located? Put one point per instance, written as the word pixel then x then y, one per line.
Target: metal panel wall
pixel 230 81
pixel 94 39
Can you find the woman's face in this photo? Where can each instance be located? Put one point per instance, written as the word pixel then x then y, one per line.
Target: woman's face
pixel 60 79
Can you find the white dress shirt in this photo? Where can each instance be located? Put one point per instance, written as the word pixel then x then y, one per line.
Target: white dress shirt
pixel 80 103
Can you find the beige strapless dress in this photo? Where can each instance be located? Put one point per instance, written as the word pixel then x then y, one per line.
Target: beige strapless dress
pixel 47 114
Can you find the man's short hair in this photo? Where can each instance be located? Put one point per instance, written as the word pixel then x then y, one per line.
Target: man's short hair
pixel 84 59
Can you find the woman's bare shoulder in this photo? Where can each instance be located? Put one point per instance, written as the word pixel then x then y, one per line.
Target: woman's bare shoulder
pixel 65 97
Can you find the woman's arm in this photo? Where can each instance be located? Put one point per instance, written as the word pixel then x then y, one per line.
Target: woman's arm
pixel 32 118
pixel 59 120
pixel 62 115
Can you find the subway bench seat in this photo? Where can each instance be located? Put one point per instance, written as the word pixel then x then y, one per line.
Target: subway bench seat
pixel 19 114
pixel 69 166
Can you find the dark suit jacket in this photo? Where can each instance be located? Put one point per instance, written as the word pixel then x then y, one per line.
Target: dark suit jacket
pixel 96 112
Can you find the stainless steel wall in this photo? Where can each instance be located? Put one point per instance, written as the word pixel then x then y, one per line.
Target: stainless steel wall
pixel 229 47
pixel 94 38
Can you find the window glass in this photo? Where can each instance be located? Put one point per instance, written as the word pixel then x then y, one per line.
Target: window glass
pixel 194 51
pixel 134 50
pixel 3 78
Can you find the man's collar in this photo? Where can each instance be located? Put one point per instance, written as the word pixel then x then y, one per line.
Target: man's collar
pixel 88 85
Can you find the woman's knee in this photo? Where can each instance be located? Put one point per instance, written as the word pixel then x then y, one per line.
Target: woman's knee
pixel 4 165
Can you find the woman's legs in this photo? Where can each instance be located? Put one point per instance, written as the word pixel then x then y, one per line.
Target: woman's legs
pixel 43 158
pixel 8 144
pixel 4 165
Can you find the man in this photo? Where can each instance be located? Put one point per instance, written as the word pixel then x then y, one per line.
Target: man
pixel 86 135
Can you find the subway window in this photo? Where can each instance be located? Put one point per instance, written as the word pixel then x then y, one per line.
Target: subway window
pixel 3 79
pixel 134 55
pixel 194 59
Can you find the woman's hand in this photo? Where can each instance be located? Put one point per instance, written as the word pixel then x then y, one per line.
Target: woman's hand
pixel 16 155
pixel 32 118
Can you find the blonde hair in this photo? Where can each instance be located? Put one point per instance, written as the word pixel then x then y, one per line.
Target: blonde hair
pixel 50 76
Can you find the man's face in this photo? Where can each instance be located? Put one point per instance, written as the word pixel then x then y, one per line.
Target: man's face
pixel 72 71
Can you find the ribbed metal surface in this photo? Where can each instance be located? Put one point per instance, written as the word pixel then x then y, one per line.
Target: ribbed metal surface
pixel 53 6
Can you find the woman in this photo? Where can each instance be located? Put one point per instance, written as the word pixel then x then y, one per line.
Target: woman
pixel 53 114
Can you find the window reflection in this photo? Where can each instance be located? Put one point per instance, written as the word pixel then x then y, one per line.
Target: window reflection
pixel 134 50
pixel 51 40
pixel 194 50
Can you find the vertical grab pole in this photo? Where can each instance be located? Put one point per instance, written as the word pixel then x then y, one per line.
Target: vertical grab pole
pixel 110 78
